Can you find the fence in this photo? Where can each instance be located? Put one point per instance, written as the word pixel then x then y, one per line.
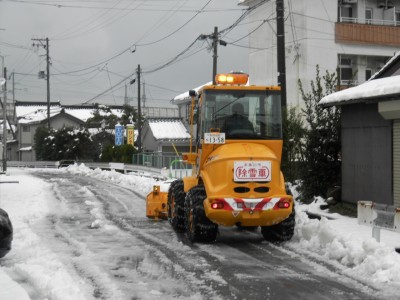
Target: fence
pixel 155 160
pixel 166 164
pixel 378 216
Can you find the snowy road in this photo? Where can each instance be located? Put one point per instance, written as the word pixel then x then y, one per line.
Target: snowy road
pixel 97 234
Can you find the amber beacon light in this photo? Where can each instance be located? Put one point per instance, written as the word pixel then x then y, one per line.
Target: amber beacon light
pixel 235 78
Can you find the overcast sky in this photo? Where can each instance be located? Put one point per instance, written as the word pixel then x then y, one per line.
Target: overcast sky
pixel 91 44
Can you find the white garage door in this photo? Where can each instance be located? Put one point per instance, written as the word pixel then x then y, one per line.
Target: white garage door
pixel 396 163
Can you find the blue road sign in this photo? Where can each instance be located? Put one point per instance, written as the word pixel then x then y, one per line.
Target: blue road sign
pixel 119 135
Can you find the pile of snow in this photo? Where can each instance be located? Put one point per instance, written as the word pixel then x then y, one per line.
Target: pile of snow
pixel 139 184
pixel 348 246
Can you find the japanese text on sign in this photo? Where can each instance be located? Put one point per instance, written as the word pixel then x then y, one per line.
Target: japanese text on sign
pixel 130 135
pixel 252 171
pixel 119 135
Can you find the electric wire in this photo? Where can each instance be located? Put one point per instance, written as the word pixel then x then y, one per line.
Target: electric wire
pixel 176 30
pixel 88 29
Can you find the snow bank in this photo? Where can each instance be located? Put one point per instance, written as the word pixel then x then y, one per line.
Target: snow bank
pixel 140 184
pixel 358 255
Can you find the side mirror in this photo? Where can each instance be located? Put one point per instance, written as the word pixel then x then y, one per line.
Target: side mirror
pixel 192 93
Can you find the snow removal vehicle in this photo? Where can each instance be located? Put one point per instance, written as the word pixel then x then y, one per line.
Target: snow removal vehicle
pixel 235 153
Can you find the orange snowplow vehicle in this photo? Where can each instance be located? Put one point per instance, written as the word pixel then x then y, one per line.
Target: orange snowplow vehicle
pixel 235 158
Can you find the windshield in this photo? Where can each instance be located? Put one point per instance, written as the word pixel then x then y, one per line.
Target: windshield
pixel 243 114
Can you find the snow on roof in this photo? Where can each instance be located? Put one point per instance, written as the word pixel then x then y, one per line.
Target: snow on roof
pixel 382 87
pixel 168 129
pixel 36 113
pixel 185 96
pixel 39 115
pixel 26 148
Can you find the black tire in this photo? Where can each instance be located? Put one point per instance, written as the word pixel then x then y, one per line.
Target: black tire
pixel 175 205
pixel 281 232
pixel 198 227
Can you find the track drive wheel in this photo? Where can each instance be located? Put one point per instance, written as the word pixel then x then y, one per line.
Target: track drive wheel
pixel 175 205
pixel 198 227
pixel 281 232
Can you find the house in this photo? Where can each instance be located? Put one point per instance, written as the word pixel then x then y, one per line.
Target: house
pixel 356 36
pixel 370 135
pixel 27 127
pixel 30 115
pixel 10 133
pixel 165 135
pixel 163 140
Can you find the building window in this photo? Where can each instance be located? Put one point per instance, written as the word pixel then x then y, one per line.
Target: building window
pixel 397 18
pixel 346 14
pixel 25 128
pixel 368 16
pixel 346 71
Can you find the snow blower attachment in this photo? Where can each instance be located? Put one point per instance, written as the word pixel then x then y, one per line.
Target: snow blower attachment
pixel 235 155
pixel 156 204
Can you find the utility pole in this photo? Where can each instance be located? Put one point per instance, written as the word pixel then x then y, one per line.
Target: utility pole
pixel 280 36
pixel 126 95
pixel 13 88
pixel 139 139
pixel 4 117
pixel 144 94
pixel 46 46
pixel 215 53
pixel 215 41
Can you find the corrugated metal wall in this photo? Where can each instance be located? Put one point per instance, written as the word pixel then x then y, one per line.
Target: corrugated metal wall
pixel 396 163
pixel 366 155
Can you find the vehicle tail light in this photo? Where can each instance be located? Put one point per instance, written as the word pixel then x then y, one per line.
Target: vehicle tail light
pixel 283 204
pixel 217 205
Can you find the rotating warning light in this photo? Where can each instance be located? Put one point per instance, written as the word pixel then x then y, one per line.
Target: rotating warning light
pixel 234 78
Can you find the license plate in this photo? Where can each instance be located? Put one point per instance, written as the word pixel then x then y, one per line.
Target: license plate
pixel 214 138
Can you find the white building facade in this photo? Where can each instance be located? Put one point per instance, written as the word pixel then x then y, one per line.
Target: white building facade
pixel 356 36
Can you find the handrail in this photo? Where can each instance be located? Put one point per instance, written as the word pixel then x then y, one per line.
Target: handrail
pixel 369 21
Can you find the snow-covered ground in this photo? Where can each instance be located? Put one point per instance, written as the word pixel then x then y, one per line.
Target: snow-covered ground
pixel 339 241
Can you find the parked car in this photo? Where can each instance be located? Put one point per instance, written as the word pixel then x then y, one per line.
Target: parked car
pixel 6 233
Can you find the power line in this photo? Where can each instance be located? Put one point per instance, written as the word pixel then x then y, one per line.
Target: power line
pixel 58 5
pixel 175 31
pixel 87 29
pixel 173 59
pixel 180 55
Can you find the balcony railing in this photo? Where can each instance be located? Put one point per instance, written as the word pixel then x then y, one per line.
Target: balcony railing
pixel 362 33
pixel 348 82
pixel 370 21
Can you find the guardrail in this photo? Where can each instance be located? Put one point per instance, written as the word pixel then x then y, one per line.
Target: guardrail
pixel 33 164
pixel 379 216
pixel 120 167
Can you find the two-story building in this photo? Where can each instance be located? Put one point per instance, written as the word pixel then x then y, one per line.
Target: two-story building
pixel 356 36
